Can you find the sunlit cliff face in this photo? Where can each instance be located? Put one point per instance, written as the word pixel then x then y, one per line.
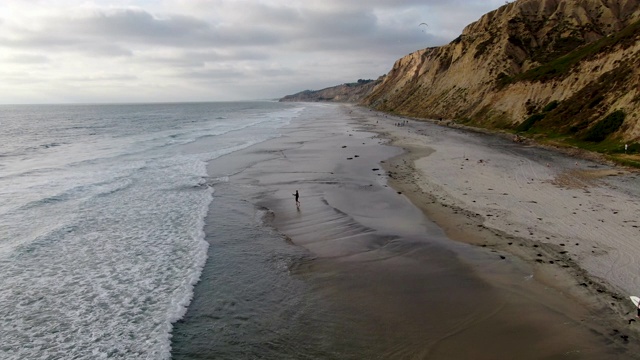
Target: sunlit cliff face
pixel 493 74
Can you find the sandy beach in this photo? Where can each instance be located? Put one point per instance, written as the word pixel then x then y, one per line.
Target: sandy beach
pixel 573 219
pixel 412 242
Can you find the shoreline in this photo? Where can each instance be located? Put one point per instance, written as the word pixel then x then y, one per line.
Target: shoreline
pixel 355 228
pixel 552 259
pixel 358 270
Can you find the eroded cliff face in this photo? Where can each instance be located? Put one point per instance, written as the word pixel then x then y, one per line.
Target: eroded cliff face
pixel 583 55
pixel 351 92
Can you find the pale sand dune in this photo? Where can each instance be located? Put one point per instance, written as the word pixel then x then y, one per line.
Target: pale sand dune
pixel 588 210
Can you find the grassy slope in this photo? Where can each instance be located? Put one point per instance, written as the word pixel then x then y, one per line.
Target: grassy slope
pixel 570 122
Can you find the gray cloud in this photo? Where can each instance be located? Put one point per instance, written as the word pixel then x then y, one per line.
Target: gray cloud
pixel 195 43
pixel 114 29
pixel 103 78
pixel 26 59
pixel 212 76
pixel 197 59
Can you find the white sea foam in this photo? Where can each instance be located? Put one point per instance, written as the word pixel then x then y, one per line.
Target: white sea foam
pixel 101 239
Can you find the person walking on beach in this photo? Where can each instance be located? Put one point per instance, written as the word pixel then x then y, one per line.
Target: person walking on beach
pixel 297 196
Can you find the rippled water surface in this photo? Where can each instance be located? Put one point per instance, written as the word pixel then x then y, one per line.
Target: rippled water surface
pixel 102 212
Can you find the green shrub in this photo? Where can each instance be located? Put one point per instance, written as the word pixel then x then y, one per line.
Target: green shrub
pixel 633 148
pixel 561 66
pixel 576 128
pixel 550 106
pixel 531 120
pixel 482 48
pixel 605 127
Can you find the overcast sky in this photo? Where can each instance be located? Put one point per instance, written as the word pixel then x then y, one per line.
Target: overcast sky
pixel 64 51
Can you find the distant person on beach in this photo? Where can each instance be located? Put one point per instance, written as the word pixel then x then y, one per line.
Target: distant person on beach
pixel 297 196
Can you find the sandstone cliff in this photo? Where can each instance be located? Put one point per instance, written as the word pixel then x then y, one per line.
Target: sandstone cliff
pixel 562 65
pixel 350 92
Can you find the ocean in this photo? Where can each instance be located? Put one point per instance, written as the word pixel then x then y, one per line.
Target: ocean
pixel 169 231
pixel 102 216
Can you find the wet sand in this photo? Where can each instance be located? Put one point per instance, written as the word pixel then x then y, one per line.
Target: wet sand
pixel 395 266
pixel 407 289
pixel 571 217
